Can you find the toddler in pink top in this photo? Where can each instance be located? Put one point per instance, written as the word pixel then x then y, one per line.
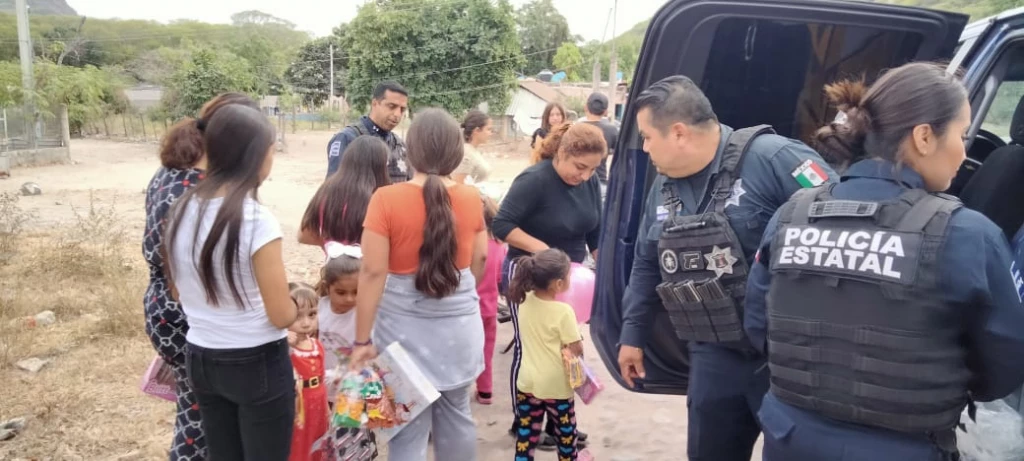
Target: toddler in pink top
pixel 487 288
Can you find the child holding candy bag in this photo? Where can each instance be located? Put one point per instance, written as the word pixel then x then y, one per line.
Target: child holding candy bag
pixel 547 327
pixel 339 280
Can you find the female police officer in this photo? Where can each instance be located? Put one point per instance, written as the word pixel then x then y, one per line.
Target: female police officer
pixel 883 308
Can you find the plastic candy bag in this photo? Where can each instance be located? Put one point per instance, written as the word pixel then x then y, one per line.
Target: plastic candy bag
pixel 573 368
pixel 996 434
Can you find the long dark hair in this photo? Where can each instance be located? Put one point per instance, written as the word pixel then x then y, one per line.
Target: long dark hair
pixel 474 120
pixel 342 199
pixel 182 146
pixel 237 140
pixel 879 118
pixel 536 272
pixel 436 149
pixel 545 124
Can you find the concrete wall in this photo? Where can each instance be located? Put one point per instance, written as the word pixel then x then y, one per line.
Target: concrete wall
pixel 42 156
pixel 37 157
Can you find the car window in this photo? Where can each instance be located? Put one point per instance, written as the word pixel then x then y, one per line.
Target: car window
pixel 772 71
pixel 997 120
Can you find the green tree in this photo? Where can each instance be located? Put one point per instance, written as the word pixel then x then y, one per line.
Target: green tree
pixel 89 92
pixel 310 74
pixel 259 18
pixel 542 29
pixel 569 59
pixel 446 57
pixel 206 74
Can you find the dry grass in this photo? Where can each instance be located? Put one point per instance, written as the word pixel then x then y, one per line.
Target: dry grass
pixel 85 404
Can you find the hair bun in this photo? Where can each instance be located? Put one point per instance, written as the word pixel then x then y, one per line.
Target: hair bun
pixel 846 95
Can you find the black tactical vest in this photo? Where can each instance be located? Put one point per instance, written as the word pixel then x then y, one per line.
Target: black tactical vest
pixel 398 165
pixel 858 330
pixel 703 269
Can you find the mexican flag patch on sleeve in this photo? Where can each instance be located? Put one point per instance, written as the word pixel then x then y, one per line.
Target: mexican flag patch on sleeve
pixel 809 174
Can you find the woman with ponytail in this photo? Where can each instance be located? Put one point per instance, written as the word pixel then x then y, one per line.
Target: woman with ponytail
pixel 872 364
pixel 424 246
pixel 476 130
pixel 555 203
pixel 183 163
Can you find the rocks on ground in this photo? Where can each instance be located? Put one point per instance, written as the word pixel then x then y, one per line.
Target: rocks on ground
pixel 32 365
pixel 11 428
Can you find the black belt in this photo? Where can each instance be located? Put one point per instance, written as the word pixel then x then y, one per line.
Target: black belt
pixel 311 383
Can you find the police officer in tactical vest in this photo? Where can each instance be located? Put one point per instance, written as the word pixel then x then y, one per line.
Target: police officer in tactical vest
pixel 884 307
pixel 704 217
pixel 390 103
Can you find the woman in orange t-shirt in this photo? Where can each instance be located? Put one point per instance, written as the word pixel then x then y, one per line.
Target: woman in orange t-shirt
pixel 424 246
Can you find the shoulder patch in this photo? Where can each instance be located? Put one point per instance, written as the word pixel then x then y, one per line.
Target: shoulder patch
pixel 335 149
pixel 1018 282
pixel 809 174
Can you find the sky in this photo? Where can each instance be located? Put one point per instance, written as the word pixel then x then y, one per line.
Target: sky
pixel 586 17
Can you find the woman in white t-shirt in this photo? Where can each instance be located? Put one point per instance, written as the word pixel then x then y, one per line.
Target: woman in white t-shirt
pixel 227 271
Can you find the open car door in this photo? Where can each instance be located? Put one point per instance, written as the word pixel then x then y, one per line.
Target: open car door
pixel 758 61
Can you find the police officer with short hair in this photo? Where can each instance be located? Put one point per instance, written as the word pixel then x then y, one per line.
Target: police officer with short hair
pixel 389 104
pixel 883 307
pixel 702 223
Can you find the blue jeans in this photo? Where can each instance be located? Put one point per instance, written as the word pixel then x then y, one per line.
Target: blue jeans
pixel 246 400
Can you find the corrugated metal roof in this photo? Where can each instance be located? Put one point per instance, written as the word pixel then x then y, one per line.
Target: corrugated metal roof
pixel 540 89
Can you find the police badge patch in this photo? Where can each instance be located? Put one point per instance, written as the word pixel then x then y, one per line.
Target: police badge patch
pixel 669 262
pixel 737 192
pixel 720 260
pixel 692 261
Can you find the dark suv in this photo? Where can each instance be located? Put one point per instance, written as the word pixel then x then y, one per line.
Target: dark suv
pixel 766 61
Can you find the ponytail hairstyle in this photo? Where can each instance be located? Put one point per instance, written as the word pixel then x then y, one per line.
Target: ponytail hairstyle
pixel 182 146
pixel 570 140
pixel 878 119
pixel 337 210
pixel 237 140
pixel 346 264
pixel 473 121
pixel 435 148
pixel 537 272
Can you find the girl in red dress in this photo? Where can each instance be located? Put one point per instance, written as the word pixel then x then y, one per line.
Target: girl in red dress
pixel 311 413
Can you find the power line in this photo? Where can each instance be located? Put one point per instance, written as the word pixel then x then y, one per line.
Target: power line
pixel 424 74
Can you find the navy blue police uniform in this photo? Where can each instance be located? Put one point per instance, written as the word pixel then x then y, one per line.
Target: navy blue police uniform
pixel 398 167
pixel 696 236
pixel 883 310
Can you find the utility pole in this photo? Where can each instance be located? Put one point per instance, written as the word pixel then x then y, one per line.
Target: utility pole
pixel 330 91
pixel 613 68
pixel 27 79
pixel 595 76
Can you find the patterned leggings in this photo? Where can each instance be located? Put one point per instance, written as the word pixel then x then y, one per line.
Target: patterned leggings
pixel 166 330
pixel 530 422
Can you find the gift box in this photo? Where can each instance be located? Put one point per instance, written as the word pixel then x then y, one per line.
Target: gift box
pixel 158 380
pixel 590 387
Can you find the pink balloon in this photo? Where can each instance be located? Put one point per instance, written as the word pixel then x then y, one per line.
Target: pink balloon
pixel 580 294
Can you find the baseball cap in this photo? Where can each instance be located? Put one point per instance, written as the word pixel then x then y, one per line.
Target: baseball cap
pixel 597 103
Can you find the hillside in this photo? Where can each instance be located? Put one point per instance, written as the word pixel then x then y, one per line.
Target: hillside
pixel 41 7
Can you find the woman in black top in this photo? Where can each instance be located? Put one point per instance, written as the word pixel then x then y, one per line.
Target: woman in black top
pixel 554 115
pixel 556 203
